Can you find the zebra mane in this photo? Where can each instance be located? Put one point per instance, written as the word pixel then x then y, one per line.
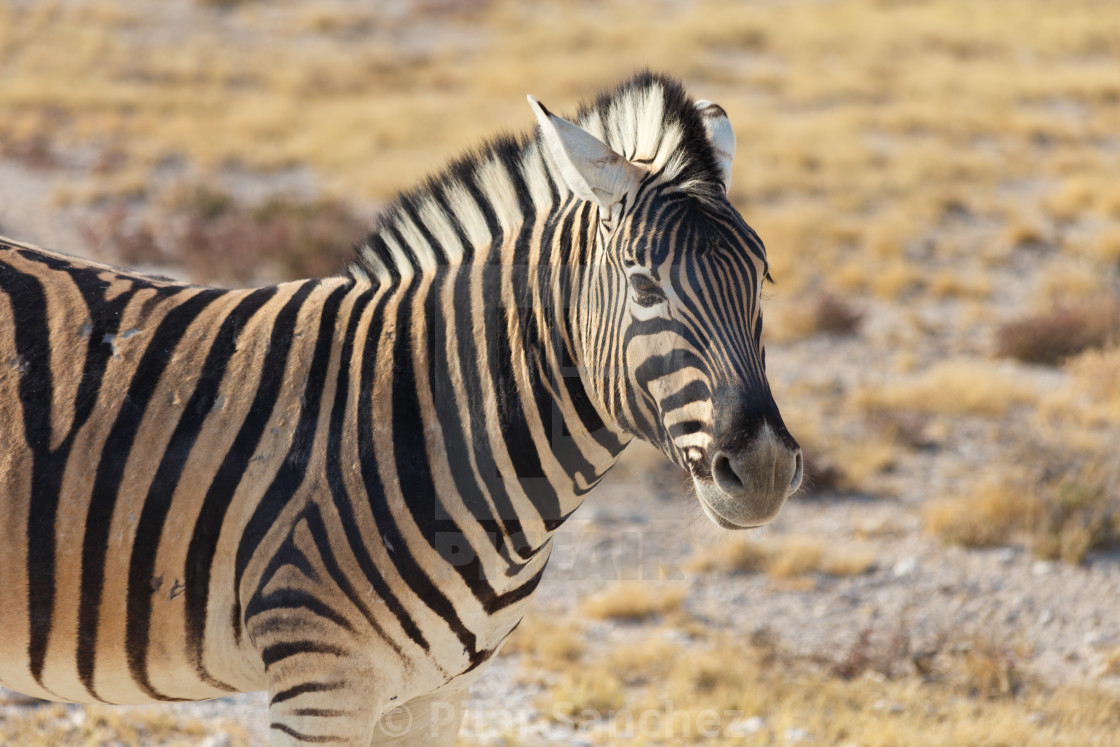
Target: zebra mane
pixel 487 193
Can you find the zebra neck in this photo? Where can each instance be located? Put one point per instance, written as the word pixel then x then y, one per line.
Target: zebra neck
pixel 469 419
pixel 490 246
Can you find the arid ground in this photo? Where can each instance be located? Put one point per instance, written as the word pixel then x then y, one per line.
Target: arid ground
pixel 938 186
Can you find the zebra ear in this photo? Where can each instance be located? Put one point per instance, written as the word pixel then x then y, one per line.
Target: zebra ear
pixel 588 166
pixel 722 136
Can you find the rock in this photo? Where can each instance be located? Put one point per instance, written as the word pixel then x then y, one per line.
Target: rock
pixel 907 566
pixel 797 736
pixel 1005 555
pixel 745 727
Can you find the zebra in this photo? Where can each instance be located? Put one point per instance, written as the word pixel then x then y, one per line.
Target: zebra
pixel 343 490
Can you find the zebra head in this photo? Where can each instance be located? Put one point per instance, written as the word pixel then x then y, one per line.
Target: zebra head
pixel 667 314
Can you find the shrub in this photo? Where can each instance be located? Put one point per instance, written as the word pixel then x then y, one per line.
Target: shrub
pixel 988 516
pixel 296 239
pixel 34 152
pixel 1055 335
pixel 835 315
pixel 1066 505
pixel 1079 511
pixel 213 238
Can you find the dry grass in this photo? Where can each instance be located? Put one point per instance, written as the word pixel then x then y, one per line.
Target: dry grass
pixel 1067 281
pixel 970 662
pixel 634 601
pixel 989 514
pixel 1062 500
pixel 954 284
pixel 954 387
pixel 547 641
pixel 730 556
pixel 834 459
pixel 859 460
pixel 1090 403
pixel 1079 510
pixel 584 689
pixel 963 688
pixel 1112 664
pixel 82 726
pixel 789 557
pixel 822 473
pixel 33 152
pixel 1095 373
pixel 339 103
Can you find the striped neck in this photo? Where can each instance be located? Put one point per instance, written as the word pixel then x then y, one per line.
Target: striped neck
pixel 504 218
pixel 491 251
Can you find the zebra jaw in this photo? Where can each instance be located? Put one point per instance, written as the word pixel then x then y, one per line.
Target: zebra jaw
pixel 750 514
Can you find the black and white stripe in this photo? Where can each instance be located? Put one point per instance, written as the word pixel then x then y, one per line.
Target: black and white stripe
pixel 342 490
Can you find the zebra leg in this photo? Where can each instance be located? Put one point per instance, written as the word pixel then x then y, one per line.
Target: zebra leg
pixel 431 720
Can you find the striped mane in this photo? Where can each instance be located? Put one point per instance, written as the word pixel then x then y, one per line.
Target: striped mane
pixel 461 214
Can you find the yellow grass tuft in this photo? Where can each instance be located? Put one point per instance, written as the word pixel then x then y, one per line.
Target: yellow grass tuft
pixel 987 515
pixel 730 556
pixel 1070 280
pixel 1112 664
pixel 859 460
pixel 643 661
pixel 548 641
pixel 988 668
pixel 586 691
pixel 956 387
pixel 789 557
pixel 1097 373
pixel 795 557
pixel 1025 230
pixel 634 601
pixel 955 284
pixel 1072 199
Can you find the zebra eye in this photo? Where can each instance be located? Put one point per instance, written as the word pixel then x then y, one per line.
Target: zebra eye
pixel 646 290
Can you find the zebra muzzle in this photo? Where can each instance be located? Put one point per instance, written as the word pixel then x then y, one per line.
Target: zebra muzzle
pixel 750 484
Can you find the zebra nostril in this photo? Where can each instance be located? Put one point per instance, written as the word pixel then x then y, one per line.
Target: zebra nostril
pixel 724 474
pixel 798 472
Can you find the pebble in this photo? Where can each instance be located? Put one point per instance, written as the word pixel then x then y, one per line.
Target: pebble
pixel 796 736
pixel 907 566
pixel 745 727
pixel 1005 555
pixel 1093 638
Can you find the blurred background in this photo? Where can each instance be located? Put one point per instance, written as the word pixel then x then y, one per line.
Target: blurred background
pixel 938 186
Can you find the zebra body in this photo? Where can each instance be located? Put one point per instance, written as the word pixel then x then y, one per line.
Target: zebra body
pixel 342 490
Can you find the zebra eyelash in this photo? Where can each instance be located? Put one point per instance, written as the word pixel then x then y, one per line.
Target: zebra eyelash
pixel 646 290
